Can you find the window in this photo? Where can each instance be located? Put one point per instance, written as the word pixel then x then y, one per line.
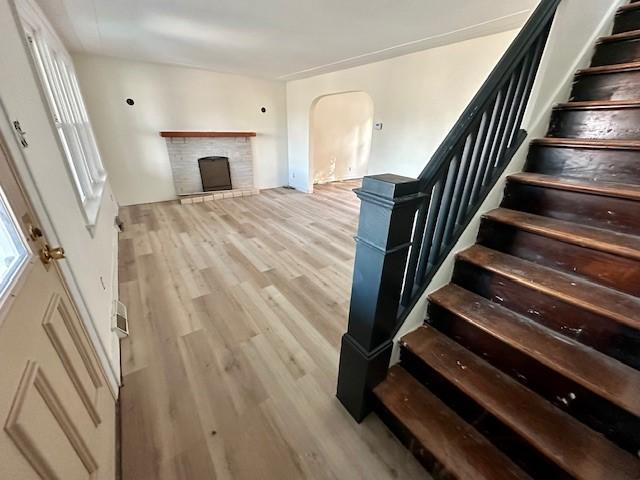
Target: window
pixel 60 85
pixel 13 249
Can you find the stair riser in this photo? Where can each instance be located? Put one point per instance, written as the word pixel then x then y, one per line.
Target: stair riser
pixel 592 329
pixel 598 413
pixel 610 124
pixel 615 214
pixel 495 431
pixel 627 21
pixel 607 86
pixel 611 53
pixel 604 268
pixel 419 451
pixel 608 165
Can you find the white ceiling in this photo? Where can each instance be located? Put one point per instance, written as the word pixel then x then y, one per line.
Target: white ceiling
pixel 283 39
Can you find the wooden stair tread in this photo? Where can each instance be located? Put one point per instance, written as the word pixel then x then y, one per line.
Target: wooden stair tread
pixel 582 235
pixel 607 189
pixel 455 444
pixel 629 6
pixel 574 447
pixel 620 37
pixel 588 143
pixel 615 68
pixel 598 105
pixel 599 373
pixel 590 296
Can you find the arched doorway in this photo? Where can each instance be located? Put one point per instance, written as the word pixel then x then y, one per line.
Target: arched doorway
pixel 340 132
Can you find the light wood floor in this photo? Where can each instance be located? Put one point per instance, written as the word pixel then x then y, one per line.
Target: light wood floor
pixel 236 308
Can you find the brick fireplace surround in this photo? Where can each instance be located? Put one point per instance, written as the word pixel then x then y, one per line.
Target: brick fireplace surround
pixel 185 148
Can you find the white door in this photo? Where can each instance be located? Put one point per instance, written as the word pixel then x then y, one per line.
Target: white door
pixel 71 212
pixel 57 413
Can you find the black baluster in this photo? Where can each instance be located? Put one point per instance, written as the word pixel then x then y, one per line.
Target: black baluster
pixel 536 57
pixel 508 98
pixel 457 189
pixel 473 169
pixel 432 217
pixel 511 117
pixel 416 245
pixel 486 149
pixel 444 211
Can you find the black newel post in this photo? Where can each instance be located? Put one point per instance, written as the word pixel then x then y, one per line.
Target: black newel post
pixel 389 204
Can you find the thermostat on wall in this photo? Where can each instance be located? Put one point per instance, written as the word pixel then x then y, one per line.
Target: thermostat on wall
pixel 377 126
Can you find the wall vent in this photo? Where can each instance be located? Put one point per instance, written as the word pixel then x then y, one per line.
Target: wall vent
pixel 121 323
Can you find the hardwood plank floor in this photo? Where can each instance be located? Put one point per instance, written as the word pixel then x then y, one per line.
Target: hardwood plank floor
pixel 236 308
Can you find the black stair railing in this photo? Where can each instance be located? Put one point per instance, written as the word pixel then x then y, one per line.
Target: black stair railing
pixel 409 226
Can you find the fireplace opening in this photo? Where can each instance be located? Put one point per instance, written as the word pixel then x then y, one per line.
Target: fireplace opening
pixel 215 173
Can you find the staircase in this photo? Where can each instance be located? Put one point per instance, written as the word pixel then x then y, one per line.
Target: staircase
pixel 528 365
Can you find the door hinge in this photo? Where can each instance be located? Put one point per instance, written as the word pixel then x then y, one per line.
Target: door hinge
pixel 20 134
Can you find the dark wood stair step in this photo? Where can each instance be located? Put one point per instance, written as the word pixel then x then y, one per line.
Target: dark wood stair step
pixel 620 37
pixel 434 427
pixel 606 119
pixel 623 47
pixel 594 202
pixel 602 143
pixel 597 372
pixel 574 447
pixel 586 295
pixel 606 189
pixel 629 6
pixel 610 83
pixel 601 159
pixel 602 267
pixel 598 105
pixel 627 246
pixel 606 69
pixel 627 19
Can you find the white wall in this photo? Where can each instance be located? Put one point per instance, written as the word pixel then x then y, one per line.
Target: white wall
pixel 176 98
pixel 341 127
pixel 418 97
pixel 90 268
pixel 576 28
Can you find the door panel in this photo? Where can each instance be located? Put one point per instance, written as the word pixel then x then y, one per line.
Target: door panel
pixel 56 409
pixel 44 431
pixel 73 350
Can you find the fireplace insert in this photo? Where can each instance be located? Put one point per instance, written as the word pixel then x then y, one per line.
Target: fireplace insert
pixel 215 173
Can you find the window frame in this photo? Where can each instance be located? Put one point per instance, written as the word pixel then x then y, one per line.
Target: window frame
pixel 60 87
pixel 8 292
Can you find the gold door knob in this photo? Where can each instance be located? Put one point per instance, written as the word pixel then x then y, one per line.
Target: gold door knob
pixel 47 254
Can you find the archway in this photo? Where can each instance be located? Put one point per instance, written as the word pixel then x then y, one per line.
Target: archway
pixel 340 133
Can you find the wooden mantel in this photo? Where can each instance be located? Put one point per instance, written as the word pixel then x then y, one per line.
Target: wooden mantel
pixel 183 134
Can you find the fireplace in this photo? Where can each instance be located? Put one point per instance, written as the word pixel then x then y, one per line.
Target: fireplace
pixel 185 148
pixel 215 173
